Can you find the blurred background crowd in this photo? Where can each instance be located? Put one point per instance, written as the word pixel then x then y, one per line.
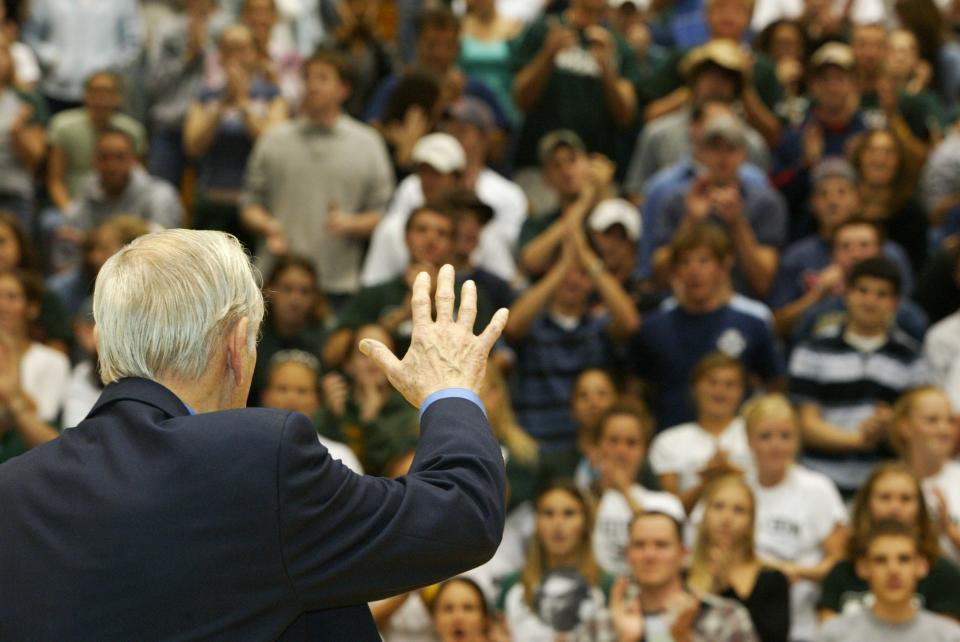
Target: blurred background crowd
pixel 727 231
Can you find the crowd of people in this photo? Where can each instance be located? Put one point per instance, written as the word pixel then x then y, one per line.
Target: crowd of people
pixel 727 232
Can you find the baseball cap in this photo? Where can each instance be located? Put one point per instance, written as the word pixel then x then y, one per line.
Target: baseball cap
pixel 558 138
pixel 833 167
pixel 722 52
pixel 613 211
pixel 836 54
pixel 440 151
pixel 472 110
pixel 726 128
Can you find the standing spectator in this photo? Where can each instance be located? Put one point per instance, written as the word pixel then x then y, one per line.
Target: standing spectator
pixel 786 43
pixel 688 457
pixel 893 565
pixel 845 382
pixel 73 40
pixel 555 335
pixel 277 57
pixel 801 520
pixel 925 433
pixel 665 605
pixel 23 144
pixel 319 185
pixel 705 316
pixel 355 37
pixel 485 51
pixel 223 123
pixel 573 73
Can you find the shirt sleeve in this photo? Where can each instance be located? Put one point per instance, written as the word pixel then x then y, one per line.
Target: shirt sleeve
pixel 452 393
pixel 803 384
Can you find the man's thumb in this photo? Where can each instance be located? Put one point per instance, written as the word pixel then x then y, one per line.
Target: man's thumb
pixel 381 355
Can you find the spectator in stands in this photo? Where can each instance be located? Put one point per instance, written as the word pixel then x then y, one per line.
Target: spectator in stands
pixel 293 383
pixel 689 456
pixel 277 58
pixel 891 492
pixel 853 241
pixel 23 144
pixel 223 123
pixel 32 376
pixel 573 73
pixel 318 185
pixel 580 182
pixel 754 216
pixel 460 612
pixel 621 446
pixel 485 51
pixel 112 38
pixel 925 434
pixel 725 560
pixel 665 606
pixel 704 316
pixel 615 231
pixel 800 525
pixel 555 335
pixel 355 37
pixel 893 565
pixel 713 72
pixel 941 346
pixel 84 385
pixel 845 381
pixel 832 119
pixel 175 61
pixel 940 184
pixel 786 43
pixel 294 322
pixel 559 589
pixel 73 135
pixel 26 67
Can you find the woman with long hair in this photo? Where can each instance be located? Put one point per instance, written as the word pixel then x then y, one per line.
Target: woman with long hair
pixel 558 590
pixel 925 434
pixel 892 491
pixel 460 612
pixel 800 517
pixel 725 560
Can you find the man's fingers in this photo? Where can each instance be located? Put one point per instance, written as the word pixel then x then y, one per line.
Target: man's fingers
pixel 618 592
pixel 420 300
pixel 493 330
pixel 467 313
pixel 445 295
pixel 382 356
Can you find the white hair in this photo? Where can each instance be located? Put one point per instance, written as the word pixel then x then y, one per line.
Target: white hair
pixel 163 302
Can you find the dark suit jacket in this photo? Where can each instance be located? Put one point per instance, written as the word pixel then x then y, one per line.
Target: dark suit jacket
pixel 146 523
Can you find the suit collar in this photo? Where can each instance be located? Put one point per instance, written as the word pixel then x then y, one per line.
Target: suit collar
pixel 144 391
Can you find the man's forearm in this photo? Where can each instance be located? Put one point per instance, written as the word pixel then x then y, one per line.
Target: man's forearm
pixel 624 318
pixel 532 80
pixel 258 220
pixel 620 98
pixel 823 435
pixel 531 303
pixel 758 262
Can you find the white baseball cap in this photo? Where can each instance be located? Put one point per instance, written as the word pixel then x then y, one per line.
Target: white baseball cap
pixel 613 211
pixel 440 151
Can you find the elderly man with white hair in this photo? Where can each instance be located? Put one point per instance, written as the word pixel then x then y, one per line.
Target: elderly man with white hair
pixel 171 512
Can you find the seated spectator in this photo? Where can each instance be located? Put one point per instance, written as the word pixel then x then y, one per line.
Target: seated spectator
pixel 555 335
pixel 73 137
pixel 293 383
pixel 801 520
pixel 844 382
pixel 573 73
pixel 725 562
pixel 666 607
pixel 890 492
pixel 580 182
pixel 925 434
pixel 832 119
pixel 892 565
pixel 318 186
pixel 785 42
pixel 473 217
pixel 32 376
pixel 223 123
pixel 806 273
pixel 460 612
pixel 354 36
pixel 941 347
pixel 362 409
pixel 853 241
pixel 887 186
pixel 687 457
pixel 173 73
pixel 112 38
pixel 23 146
pixel 621 447
pixel 713 72
pixel 120 185
pixel 704 316
pixel 754 216
pixel 84 386
pixel 519 448
pixel 294 321
pixel 560 588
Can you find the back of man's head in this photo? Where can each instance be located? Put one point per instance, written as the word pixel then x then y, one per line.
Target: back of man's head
pixel 162 303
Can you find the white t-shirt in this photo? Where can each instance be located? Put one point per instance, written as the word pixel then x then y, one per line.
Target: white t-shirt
pixel 685 450
pixel 342 453
pixel 526 626
pixel 410 623
pixel 81 395
pixel 793 519
pixel 613 520
pixel 43 376
pixel 948 481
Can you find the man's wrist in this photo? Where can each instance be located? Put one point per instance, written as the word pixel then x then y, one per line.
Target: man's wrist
pixel 452 393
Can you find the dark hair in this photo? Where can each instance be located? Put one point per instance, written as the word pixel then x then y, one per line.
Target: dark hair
pixel 701 235
pixel 628 408
pixel 764 40
pixel 461 579
pixel 440 209
pixel 887 528
pixel 856 221
pixel 417 87
pixel 677 524
pixel 877 267
pixel 31 282
pixel 904 181
pixel 112 75
pixel 28 259
pixel 289 262
pixel 331 58
pixel 733 76
pixel 110 130
pixel 439 18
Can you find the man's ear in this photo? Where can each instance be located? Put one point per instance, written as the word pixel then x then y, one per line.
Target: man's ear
pixel 863 569
pixel 237 350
